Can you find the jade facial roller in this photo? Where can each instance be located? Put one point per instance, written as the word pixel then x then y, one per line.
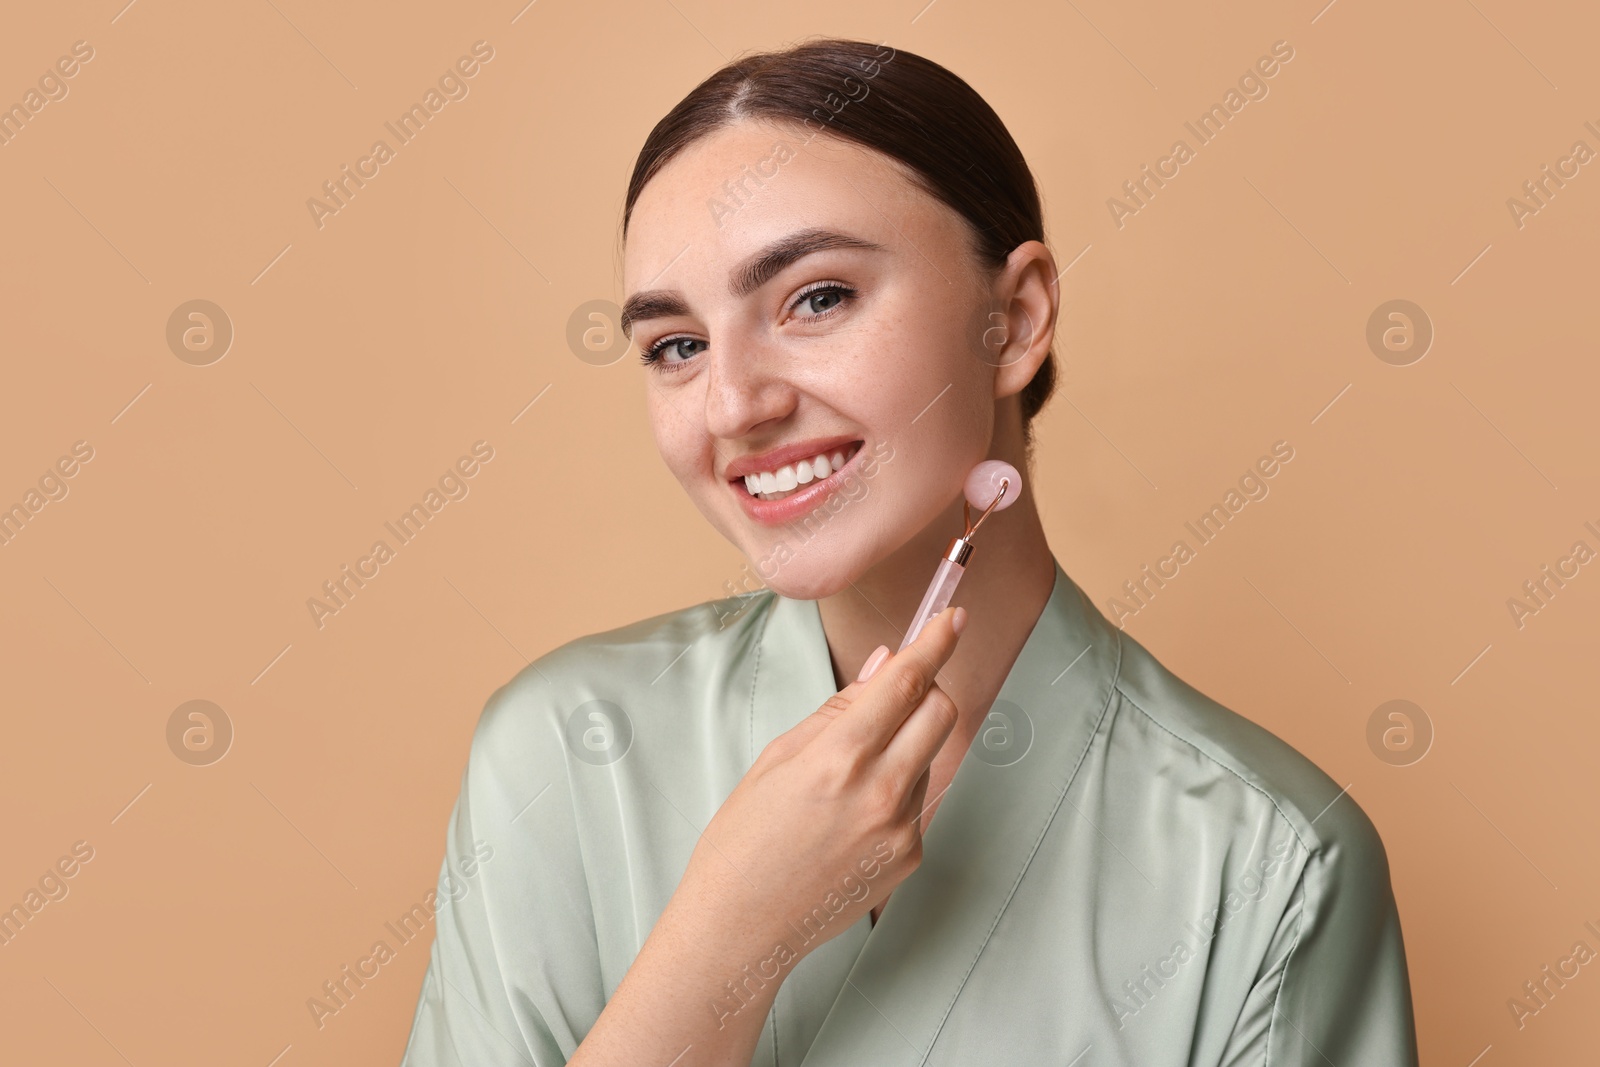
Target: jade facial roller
pixel 993 485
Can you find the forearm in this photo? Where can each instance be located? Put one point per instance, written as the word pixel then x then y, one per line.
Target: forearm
pixel 694 997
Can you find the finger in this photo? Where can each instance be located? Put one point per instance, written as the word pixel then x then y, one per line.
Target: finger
pixel 874 663
pixel 913 748
pixel 889 696
pixel 800 735
pixel 919 796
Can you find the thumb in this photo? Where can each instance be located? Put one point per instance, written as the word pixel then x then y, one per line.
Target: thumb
pixel 840 702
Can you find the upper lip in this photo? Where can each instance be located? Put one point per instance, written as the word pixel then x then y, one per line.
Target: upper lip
pixel 785 455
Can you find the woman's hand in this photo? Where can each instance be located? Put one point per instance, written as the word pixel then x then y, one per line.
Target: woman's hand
pixel 827 821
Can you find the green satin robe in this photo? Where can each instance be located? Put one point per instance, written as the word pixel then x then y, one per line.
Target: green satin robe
pixel 1122 871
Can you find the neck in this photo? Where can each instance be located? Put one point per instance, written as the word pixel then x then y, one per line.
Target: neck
pixel 1005 588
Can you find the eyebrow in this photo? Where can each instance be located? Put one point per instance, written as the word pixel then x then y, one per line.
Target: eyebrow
pixel 748 276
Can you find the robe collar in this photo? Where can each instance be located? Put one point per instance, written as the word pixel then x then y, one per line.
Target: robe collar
pixel 883 992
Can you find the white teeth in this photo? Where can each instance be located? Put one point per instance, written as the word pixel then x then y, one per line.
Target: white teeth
pixel 774 485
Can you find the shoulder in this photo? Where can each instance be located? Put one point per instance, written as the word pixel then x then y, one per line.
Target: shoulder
pixel 1249 774
pixel 643 664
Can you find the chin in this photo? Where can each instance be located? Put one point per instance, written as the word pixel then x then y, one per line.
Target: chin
pixel 815 571
pixel 808 583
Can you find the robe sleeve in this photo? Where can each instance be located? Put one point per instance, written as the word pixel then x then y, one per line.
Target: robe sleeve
pixel 513 975
pixel 1333 987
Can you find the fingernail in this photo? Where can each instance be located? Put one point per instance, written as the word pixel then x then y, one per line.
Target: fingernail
pixel 958 621
pixel 874 661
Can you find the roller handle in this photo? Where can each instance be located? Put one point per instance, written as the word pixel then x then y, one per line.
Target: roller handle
pixel 937 598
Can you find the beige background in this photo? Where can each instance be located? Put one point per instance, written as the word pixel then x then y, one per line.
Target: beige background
pixel 428 314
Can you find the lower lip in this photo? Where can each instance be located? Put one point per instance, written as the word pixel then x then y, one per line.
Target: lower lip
pixel 796 504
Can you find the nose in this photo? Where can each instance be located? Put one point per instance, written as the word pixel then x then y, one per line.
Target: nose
pixel 745 388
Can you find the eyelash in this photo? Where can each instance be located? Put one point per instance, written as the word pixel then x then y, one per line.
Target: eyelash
pixel 651 357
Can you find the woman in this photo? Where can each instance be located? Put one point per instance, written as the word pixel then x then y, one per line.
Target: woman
pixel 709 849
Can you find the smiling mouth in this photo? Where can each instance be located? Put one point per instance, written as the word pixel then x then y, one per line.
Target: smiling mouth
pixel 791 478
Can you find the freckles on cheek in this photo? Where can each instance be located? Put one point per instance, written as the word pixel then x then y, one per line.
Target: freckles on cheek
pixel 888 356
pixel 909 375
pixel 687 463
pixel 677 448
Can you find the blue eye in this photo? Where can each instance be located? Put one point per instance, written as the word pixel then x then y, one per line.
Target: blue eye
pixel 841 293
pixel 654 353
pixel 653 356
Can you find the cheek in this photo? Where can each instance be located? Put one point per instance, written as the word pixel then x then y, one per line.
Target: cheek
pixel 907 369
pixel 933 455
pixel 917 380
pixel 936 389
pixel 675 440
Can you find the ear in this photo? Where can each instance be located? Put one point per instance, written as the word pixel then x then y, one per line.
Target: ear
pixel 1026 297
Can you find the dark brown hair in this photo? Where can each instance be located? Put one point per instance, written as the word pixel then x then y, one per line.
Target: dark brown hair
pixel 898 103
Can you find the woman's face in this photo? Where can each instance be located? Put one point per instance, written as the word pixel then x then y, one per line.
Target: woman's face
pixel 865 342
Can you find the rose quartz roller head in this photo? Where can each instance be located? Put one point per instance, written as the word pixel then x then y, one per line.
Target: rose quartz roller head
pixel 993 485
